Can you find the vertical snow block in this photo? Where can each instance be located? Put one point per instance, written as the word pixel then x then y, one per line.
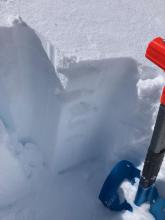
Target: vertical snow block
pixel 92 106
pixel 29 105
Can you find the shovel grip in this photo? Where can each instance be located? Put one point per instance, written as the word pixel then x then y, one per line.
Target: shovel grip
pixel 156 151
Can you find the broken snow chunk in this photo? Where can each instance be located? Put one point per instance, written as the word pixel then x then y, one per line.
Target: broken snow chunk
pixel 149 87
pixel 31 159
pixel 14 20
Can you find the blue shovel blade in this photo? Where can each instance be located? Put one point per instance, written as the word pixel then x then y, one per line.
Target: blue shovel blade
pixel 157 209
pixel 150 195
pixel 109 194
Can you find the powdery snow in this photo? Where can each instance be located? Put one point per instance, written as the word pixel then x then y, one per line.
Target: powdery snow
pixel 91 29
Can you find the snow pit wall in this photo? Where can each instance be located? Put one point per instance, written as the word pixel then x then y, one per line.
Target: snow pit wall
pixel 71 125
pixel 82 121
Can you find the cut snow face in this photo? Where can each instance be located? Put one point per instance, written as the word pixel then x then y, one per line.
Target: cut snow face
pixel 27 88
pixel 62 129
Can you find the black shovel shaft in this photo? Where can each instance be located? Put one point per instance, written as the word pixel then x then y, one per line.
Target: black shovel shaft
pixel 156 151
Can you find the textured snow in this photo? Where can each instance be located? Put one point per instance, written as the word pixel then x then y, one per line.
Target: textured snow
pixel 68 113
pixel 91 29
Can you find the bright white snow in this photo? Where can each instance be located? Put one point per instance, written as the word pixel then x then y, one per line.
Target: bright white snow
pixel 92 29
pixel 63 127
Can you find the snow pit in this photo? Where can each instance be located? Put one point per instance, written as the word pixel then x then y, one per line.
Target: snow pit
pixel 63 128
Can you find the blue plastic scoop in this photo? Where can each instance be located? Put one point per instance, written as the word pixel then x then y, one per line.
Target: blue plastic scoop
pixel 109 195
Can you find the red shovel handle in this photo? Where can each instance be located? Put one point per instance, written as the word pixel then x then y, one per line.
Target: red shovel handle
pixel 156 53
pixel 162 98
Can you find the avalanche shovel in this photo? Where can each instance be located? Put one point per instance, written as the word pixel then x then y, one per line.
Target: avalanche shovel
pixel 147 191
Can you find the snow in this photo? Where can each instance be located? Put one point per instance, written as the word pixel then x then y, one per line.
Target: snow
pixel 91 29
pixel 69 112
pixel 139 212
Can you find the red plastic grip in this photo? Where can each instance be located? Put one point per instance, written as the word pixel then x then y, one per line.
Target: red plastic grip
pixel 162 98
pixel 156 52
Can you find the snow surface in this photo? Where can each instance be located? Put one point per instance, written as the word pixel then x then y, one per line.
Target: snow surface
pixel 67 116
pixel 92 29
